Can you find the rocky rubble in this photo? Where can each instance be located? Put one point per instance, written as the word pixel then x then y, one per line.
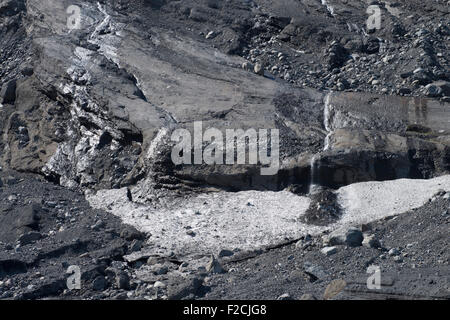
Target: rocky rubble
pixel 407 53
pixel 46 229
pixel 413 264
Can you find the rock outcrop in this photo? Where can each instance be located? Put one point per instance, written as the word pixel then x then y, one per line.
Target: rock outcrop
pixel 95 106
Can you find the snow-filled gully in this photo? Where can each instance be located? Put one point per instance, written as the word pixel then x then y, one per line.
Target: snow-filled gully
pixel 251 220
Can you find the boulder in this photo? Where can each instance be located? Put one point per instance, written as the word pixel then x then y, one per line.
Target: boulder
pixel 122 280
pixel 334 288
pixel 179 287
pixel 248 66
pixel 314 271
pixel 28 217
pixel 225 253
pixel 159 284
pixel 99 283
pixel 328 251
pixel 354 237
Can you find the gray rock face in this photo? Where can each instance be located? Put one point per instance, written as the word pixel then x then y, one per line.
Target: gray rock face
pixel 99 107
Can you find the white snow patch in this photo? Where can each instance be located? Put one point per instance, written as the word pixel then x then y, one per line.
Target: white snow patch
pixel 251 220
pixel 247 220
pixel 370 201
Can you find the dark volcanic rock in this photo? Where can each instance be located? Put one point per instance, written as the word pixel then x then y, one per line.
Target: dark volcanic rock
pixel 323 209
pixel 354 237
pixel 180 288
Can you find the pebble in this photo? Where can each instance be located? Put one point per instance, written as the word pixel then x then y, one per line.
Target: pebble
pixel 371 241
pixel 394 252
pixel 285 296
pixel 159 284
pixel 123 281
pixel 328 251
pixel 259 69
pixel 210 35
